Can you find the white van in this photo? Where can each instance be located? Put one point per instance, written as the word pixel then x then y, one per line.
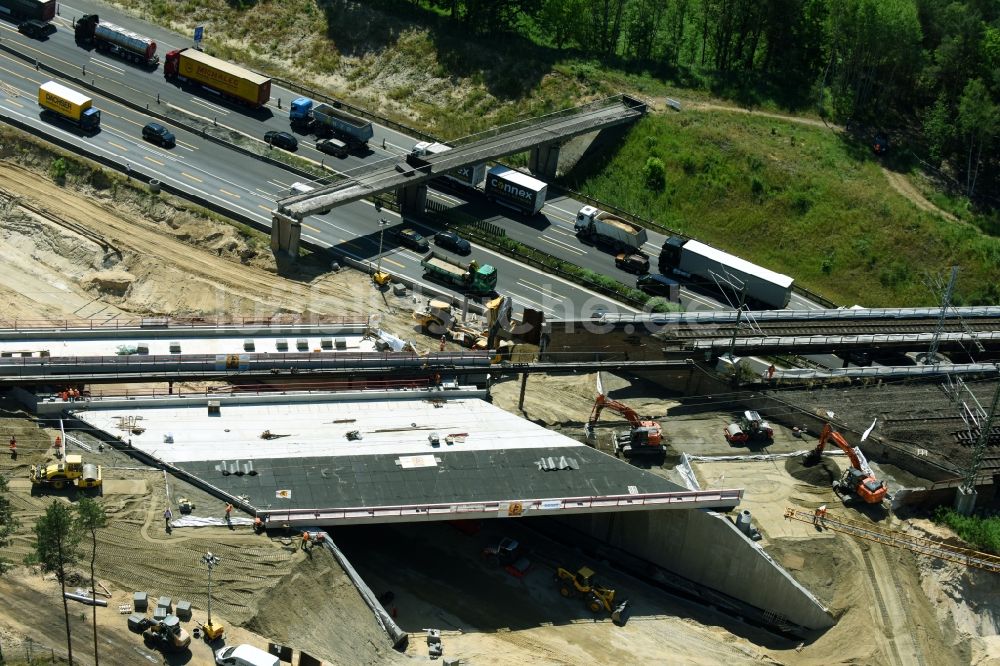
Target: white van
pixel 245 655
pixel 300 188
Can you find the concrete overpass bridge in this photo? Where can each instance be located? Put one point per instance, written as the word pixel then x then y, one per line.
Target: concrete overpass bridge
pixel 409 176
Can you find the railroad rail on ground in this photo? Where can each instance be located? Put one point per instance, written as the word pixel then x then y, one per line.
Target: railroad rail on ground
pixel 896 539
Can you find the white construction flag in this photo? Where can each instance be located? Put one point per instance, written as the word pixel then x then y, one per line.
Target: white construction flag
pixel 600 384
pixel 869 431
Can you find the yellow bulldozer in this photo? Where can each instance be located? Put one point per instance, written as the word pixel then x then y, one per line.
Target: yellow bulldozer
pixel 596 597
pixel 72 471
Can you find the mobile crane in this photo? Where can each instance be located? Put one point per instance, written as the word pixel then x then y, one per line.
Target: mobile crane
pixel 859 479
pixel 645 437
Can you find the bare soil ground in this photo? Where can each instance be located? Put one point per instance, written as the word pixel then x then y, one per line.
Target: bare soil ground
pixel 110 251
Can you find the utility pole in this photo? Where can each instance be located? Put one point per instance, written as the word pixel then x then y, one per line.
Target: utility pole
pixel 965 498
pixel 945 305
pixel 382 224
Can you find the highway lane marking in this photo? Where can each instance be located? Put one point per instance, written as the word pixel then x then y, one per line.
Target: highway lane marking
pixel 268 209
pixel 20 76
pixel 116 70
pixel 540 287
pixel 151 159
pixel 562 245
pixel 105 112
pixel 232 194
pixel 118 145
pixel 16 103
pixel 264 192
pixel 545 294
pixel 189 146
pixel 209 105
pixel 72 65
pixel 394 263
pixel 322 243
pixel 307 226
pixel 194 178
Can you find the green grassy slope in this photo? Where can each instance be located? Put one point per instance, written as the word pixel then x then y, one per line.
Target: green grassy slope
pixel 798 199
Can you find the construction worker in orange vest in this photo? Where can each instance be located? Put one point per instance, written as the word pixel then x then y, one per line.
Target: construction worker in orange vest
pixel 819 516
pixel 229 515
pixel 306 540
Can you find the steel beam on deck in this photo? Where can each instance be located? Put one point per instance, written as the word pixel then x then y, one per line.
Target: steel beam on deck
pixel 553 506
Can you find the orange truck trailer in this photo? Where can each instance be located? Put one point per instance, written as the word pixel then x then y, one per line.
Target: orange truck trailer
pixel 229 80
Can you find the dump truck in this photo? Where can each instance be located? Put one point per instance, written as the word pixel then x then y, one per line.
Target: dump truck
pixel 472 278
pixel 70 472
pixel 106 37
pixel 598 226
pixel 69 105
pixel 515 189
pixel 327 120
pixel 467 176
pixel 40 10
pixel 221 77
pixel 711 267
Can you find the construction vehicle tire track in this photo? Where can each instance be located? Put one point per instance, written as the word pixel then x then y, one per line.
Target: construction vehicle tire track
pixel 894 621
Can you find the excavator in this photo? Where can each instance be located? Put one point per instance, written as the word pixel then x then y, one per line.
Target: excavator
pixel 595 596
pixel 859 479
pixel 645 437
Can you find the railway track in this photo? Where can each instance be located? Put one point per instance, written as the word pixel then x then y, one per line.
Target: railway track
pixel 833 328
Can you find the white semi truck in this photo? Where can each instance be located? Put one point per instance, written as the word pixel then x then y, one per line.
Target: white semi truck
pixel 515 189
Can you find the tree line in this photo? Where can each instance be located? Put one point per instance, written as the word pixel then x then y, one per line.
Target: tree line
pixel 59 534
pixel 928 67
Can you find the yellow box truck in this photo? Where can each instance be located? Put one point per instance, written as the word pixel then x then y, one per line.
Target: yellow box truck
pixel 69 105
pixel 223 77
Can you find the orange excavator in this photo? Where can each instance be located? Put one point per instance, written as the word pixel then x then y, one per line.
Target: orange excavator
pixel 859 479
pixel 644 437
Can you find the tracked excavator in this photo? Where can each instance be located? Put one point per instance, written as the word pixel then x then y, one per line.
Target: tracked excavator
pixel 643 438
pixel 859 479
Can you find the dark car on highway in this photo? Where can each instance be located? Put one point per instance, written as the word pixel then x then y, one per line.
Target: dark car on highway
pixel 449 240
pixel 411 239
pixel 36 29
pixel 334 147
pixel 281 140
pixel 157 133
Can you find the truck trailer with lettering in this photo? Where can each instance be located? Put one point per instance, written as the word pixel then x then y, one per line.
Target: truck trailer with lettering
pixel 226 79
pixel 69 105
pixel 17 10
pixel 106 37
pixel 515 189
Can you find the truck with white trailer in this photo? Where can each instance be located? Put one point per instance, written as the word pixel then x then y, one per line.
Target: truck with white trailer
pixel 228 80
pixel 69 105
pixel 39 10
pixel 711 267
pixel 468 176
pixel 473 277
pixel 115 40
pixel 327 120
pixel 598 226
pixel 515 189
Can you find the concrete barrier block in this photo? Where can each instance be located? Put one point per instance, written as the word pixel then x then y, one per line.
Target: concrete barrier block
pixel 140 601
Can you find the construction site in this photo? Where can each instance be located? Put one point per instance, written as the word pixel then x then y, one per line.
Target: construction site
pixel 410 481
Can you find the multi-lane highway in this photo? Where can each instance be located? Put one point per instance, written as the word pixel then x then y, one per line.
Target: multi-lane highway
pixel 250 186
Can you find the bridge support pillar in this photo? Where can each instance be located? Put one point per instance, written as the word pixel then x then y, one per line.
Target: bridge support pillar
pixel 412 198
pixel 544 160
pixel 286 232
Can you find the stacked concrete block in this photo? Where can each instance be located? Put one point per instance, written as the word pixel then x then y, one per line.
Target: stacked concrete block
pixel 136 621
pixel 160 613
pixel 166 602
pixel 184 610
pixel 140 601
